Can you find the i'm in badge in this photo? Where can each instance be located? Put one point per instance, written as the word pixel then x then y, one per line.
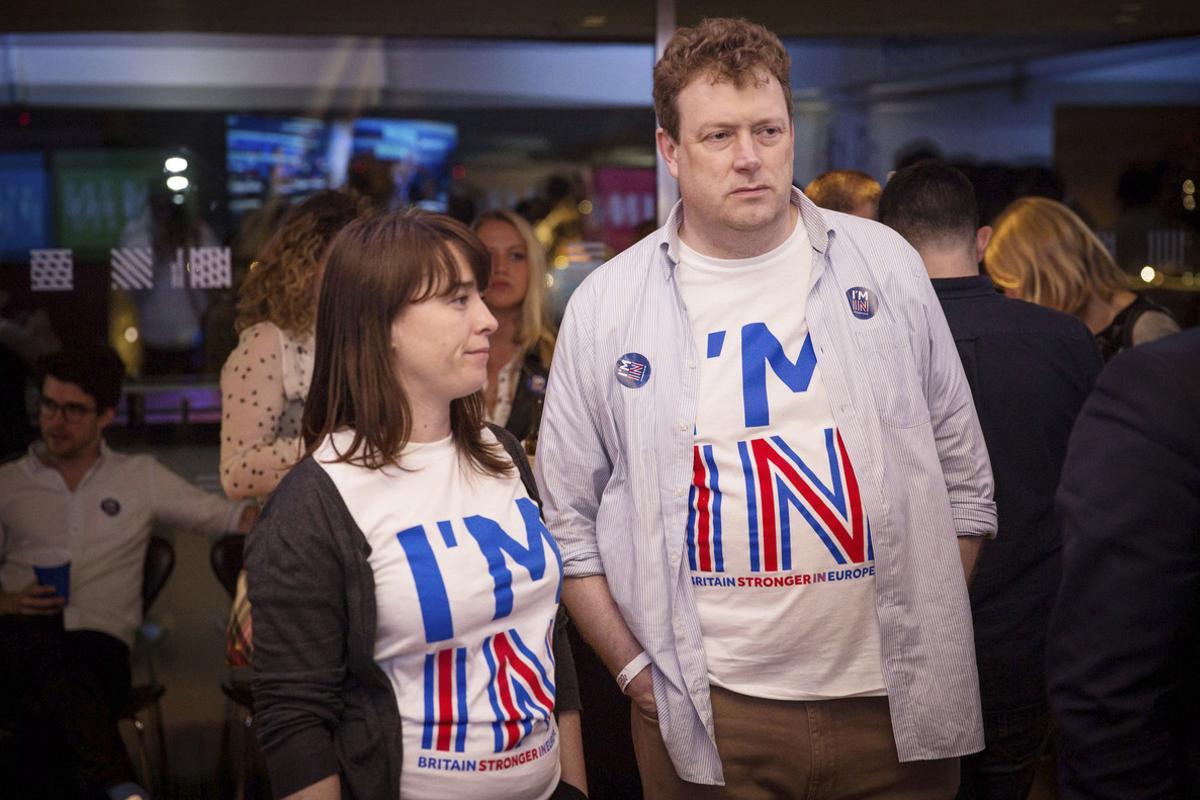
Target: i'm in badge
pixel 633 370
pixel 862 302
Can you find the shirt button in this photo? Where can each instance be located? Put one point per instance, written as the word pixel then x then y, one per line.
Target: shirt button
pixel 674 559
pixel 683 426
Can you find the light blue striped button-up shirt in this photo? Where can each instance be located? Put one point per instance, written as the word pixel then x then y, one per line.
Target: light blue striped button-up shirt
pixel 615 464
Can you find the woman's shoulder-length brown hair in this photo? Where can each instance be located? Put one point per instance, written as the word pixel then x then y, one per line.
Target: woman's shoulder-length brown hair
pixel 376 267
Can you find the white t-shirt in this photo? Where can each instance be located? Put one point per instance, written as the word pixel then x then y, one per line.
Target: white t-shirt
pixel 778 541
pixel 467 582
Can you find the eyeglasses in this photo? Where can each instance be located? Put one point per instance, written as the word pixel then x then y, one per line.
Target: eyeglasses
pixel 73 412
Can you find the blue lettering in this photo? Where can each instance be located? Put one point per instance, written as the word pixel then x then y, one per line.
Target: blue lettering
pixel 716 341
pixel 431 589
pixel 495 543
pixel 759 348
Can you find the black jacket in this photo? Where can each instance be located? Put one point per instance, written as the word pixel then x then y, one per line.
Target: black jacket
pixel 1030 369
pixel 527 402
pixel 322 705
pixel 1124 654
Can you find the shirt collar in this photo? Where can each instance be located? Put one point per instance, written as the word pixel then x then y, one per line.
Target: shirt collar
pixel 818 228
pixel 968 286
pixel 38 449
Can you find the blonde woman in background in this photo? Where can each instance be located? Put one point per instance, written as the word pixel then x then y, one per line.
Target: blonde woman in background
pixel 265 380
pixel 1041 251
pixel 523 344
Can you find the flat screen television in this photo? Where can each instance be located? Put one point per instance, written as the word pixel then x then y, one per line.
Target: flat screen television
pixel 419 153
pixel 281 156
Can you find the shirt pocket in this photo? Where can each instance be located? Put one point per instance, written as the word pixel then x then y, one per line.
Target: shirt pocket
pixel 891 371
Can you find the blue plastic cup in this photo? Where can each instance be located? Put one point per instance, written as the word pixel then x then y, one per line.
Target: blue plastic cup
pixel 52 567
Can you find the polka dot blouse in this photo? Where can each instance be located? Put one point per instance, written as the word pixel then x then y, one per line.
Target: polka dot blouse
pixel 263 386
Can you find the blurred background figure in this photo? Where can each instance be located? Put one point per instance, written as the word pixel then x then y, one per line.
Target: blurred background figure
pixel 523 344
pixel 1030 369
pixel 1125 635
pixel 373 179
pixel 1043 252
pixel 24 338
pixel 265 380
pixel 848 191
pixel 170 316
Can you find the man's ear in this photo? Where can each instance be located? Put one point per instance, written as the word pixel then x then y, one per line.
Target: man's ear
pixel 667 148
pixel 982 237
pixel 106 417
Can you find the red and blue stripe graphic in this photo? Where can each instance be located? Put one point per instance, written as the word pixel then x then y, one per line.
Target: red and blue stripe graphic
pixel 519 688
pixel 705 552
pixel 445 725
pixel 777 480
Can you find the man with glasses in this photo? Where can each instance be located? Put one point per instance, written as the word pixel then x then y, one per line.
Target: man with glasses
pixel 66 660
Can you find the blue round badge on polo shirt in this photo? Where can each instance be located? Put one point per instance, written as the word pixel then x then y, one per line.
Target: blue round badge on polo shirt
pixel 110 506
pixel 862 302
pixel 633 370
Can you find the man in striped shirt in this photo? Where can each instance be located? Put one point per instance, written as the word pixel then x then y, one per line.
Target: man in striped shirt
pixel 758 453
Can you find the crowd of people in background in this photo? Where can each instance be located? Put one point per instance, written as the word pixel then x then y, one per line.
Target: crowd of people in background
pixel 857 491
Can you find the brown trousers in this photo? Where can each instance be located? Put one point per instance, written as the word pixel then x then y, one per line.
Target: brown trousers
pixel 821 750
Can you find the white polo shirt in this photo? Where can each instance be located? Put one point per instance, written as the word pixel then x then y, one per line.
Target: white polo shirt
pixel 105 524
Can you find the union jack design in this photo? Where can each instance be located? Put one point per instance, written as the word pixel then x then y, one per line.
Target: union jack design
pixel 631 370
pixel 519 689
pixel 705 552
pixel 777 479
pixel 445 700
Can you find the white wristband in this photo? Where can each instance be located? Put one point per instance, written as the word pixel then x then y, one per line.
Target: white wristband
pixel 639 663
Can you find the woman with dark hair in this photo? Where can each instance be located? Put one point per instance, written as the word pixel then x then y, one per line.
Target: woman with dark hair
pixel 405 590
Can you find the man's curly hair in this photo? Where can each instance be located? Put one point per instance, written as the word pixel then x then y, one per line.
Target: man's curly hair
pixel 280 285
pixel 722 49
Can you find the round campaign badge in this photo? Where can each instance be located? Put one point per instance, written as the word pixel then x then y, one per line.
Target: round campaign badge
pixel 633 370
pixel 537 385
pixel 862 302
pixel 110 506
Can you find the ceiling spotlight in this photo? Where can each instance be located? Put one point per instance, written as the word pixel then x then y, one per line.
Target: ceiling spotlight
pixel 175 164
pixel 594 21
pixel 177 183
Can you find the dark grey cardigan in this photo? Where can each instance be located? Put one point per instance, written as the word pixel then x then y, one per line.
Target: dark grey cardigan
pixel 322 705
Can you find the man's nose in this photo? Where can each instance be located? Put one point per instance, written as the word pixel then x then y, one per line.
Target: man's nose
pixel 746 156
